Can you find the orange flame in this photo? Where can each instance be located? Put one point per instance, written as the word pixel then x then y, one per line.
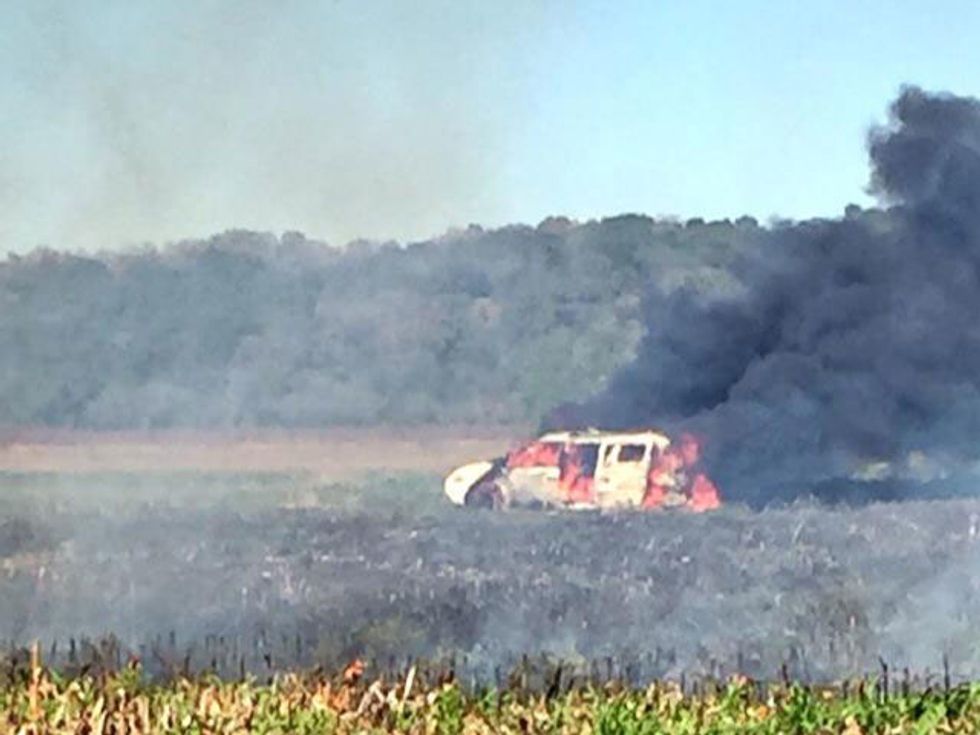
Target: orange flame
pixel 675 474
pixel 535 454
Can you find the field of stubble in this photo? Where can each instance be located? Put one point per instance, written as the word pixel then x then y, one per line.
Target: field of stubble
pixel 267 571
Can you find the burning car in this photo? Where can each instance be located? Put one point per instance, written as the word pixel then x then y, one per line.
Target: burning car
pixel 588 470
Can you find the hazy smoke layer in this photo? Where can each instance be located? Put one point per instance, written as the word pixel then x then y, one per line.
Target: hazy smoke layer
pixel 852 341
pixel 127 122
pixel 387 571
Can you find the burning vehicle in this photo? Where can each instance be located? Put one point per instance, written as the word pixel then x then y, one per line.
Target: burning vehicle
pixel 590 469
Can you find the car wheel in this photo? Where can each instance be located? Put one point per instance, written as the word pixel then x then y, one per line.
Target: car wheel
pixel 485 495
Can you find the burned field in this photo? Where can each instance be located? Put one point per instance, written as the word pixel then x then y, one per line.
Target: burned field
pixel 263 572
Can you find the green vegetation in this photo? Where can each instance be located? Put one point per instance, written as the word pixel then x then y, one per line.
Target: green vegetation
pixel 37 700
pixel 248 329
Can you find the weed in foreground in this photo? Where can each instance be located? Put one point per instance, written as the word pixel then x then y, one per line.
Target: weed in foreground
pixel 40 700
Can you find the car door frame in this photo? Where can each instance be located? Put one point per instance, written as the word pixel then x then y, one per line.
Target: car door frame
pixel 622 483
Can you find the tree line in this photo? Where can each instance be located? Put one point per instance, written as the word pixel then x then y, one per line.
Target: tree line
pixel 251 329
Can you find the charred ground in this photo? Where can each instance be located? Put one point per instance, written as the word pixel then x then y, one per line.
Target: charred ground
pixel 279 571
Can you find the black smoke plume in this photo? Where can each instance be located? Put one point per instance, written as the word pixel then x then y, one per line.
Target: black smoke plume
pixel 852 348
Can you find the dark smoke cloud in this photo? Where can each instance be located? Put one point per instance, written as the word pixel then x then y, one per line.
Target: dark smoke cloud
pixel 852 341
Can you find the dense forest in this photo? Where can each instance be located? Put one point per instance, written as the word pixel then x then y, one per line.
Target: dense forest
pixel 249 329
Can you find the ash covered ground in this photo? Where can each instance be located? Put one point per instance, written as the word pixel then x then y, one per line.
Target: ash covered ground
pixel 278 571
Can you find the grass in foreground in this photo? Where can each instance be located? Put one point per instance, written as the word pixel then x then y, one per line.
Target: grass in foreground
pixel 39 701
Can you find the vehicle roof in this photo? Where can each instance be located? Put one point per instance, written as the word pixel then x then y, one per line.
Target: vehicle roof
pixel 593 436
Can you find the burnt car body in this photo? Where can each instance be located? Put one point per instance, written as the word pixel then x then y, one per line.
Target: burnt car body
pixel 590 469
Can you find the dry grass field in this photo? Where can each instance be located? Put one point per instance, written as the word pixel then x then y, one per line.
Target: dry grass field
pixel 333 454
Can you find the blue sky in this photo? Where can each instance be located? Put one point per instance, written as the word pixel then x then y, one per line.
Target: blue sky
pixel 131 122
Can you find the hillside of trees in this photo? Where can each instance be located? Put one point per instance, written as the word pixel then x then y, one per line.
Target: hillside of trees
pixel 248 329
